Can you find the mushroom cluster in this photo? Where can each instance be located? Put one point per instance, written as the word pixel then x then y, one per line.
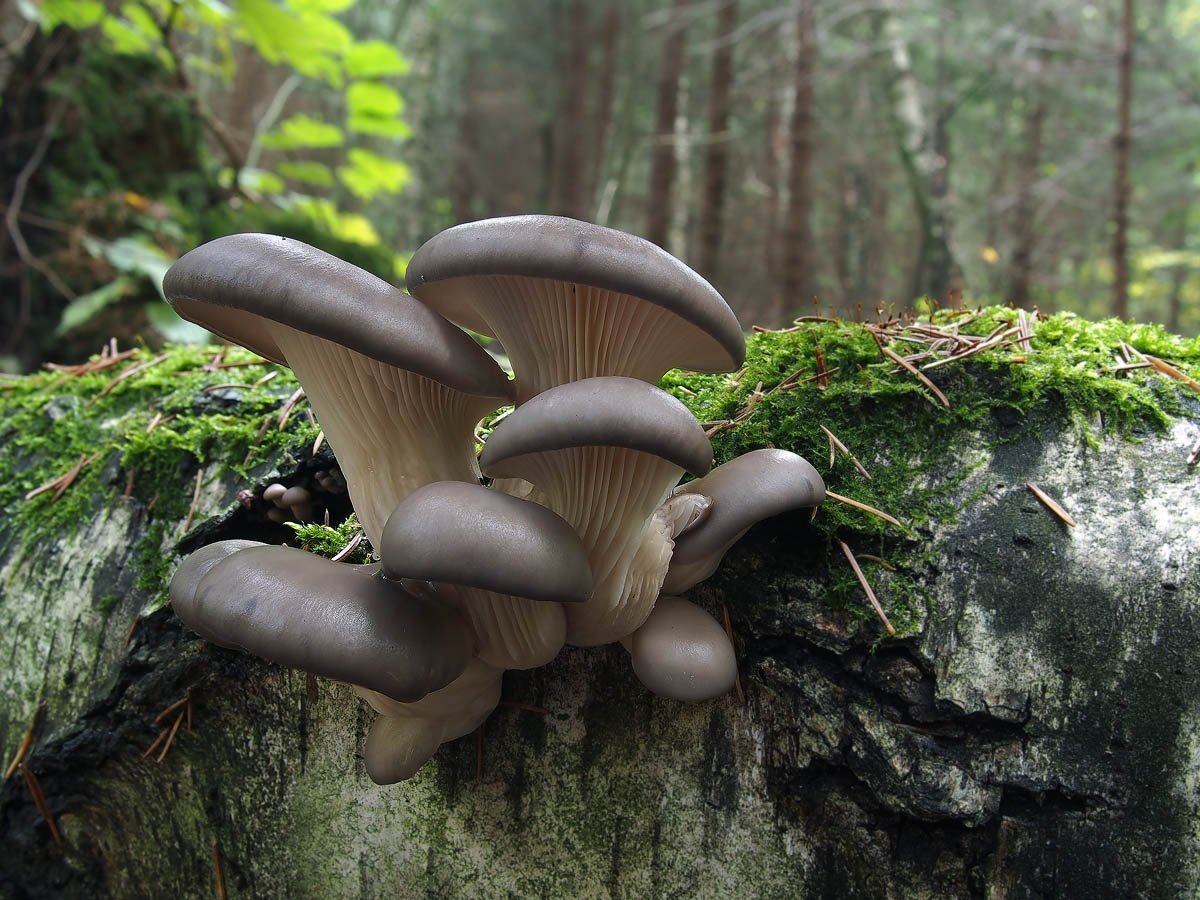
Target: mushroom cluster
pixel 581 534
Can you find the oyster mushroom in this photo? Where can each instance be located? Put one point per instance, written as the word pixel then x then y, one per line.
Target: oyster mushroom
pixel 743 491
pixel 605 452
pixel 340 621
pixel 571 300
pixel 507 565
pixel 397 389
pixel 682 653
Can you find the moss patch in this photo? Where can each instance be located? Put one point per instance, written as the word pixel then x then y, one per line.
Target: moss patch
pixel 144 426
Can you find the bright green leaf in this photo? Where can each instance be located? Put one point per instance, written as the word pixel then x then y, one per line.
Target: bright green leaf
pixel 302 131
pixel 76 14
pixel 370 98
pixel 307 171
pixel 396 129
pixel 368 174
pixel 176 330
pixel 123 37
pixel 347 226
pixel 133 256
pixel 261 181
pixel 321 6
pixel 374 59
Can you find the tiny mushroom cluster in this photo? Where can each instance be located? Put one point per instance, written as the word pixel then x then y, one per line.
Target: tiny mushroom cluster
pixel 582 535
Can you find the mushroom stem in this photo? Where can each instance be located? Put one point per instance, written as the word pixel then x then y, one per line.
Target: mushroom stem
pixel 405 430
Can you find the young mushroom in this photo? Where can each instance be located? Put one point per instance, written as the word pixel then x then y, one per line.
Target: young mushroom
pixel 682 653
pixel 507 565
pixel 397 389
pixel 743 491
pixel 570 300
pixel 331 619
pixel 605 452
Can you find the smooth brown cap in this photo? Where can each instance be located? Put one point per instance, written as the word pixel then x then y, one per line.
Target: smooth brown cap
pixel 452 532
pixel 745 490
pixel 682 653
pixel 232 286
pixel 563 249
pixel 608 411
pixel 340 621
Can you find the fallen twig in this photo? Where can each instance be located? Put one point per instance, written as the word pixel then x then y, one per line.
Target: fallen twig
pixel 26 742
pixel 39 800
pixel 864 507
pixel 862 580
pixel 1050 503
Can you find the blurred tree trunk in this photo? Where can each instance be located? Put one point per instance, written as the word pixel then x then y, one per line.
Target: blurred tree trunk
pixel 772 242
pixel 570 189
pixel 1178 243
pixel 1121 148
pixel 662 166
pixel 1025 234
pixel 923 142
pixel 465 150
pixel 798 286
pixel 606 84
pixel 716 157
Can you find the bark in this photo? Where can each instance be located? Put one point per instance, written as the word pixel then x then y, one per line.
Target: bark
pixel 716 156
pixel 797 257
pixel 663 164
pixel 1122 148
pixel 1025 233
pixel 570 187
pixel 1036 736
pixel 606 85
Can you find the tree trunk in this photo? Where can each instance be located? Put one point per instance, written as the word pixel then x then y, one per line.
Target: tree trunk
pixel 1032 735
pixel 799 284
pixel 662 164
pixel 1122 148
pixel 1025 232
pixel 606 84
pixel 716 156
pixel 466 152
pixel 570 186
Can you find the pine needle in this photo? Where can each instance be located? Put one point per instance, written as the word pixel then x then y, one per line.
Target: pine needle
pixel 862 580
pixel 864 507
pixel 1050 503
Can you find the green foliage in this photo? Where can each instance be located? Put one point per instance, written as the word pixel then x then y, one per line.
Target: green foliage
pixel 330 540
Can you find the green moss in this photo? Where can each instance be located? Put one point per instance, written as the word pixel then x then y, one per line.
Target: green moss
pixel 144 433
pixel 330 540
pixel 919 454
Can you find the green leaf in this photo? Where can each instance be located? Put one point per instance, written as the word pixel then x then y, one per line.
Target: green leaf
pixel 371 98
pixel 374 59
pixel 307 171
pixel 86 307
pixel 347 226
pixel 125 38
pixel 396 129
pixel 321 6
pixel 310 42
pixel 303 131
pixel 76 14
pixel 368 174
pixel 261 181
pixel 179 331
pixel 133 256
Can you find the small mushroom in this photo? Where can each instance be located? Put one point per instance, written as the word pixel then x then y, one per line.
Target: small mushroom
pixel 745 490
pixel 397 389
pixel 605 452
pixel 340 621
pixel 506 564
pixel 404 736
pixel 682 653
pixel 570 300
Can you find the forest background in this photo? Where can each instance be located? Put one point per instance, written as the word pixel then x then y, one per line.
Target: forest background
pixel 803 156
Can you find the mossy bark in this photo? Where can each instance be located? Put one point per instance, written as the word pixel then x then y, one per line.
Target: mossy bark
pixel 1033 732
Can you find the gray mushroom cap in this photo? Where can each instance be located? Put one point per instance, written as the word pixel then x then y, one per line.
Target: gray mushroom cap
pixel 745 490
pixel 682 653
pixel 235 285
pixel 607 411
pixel 568 250
pixel 339 621
pixel 451 532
